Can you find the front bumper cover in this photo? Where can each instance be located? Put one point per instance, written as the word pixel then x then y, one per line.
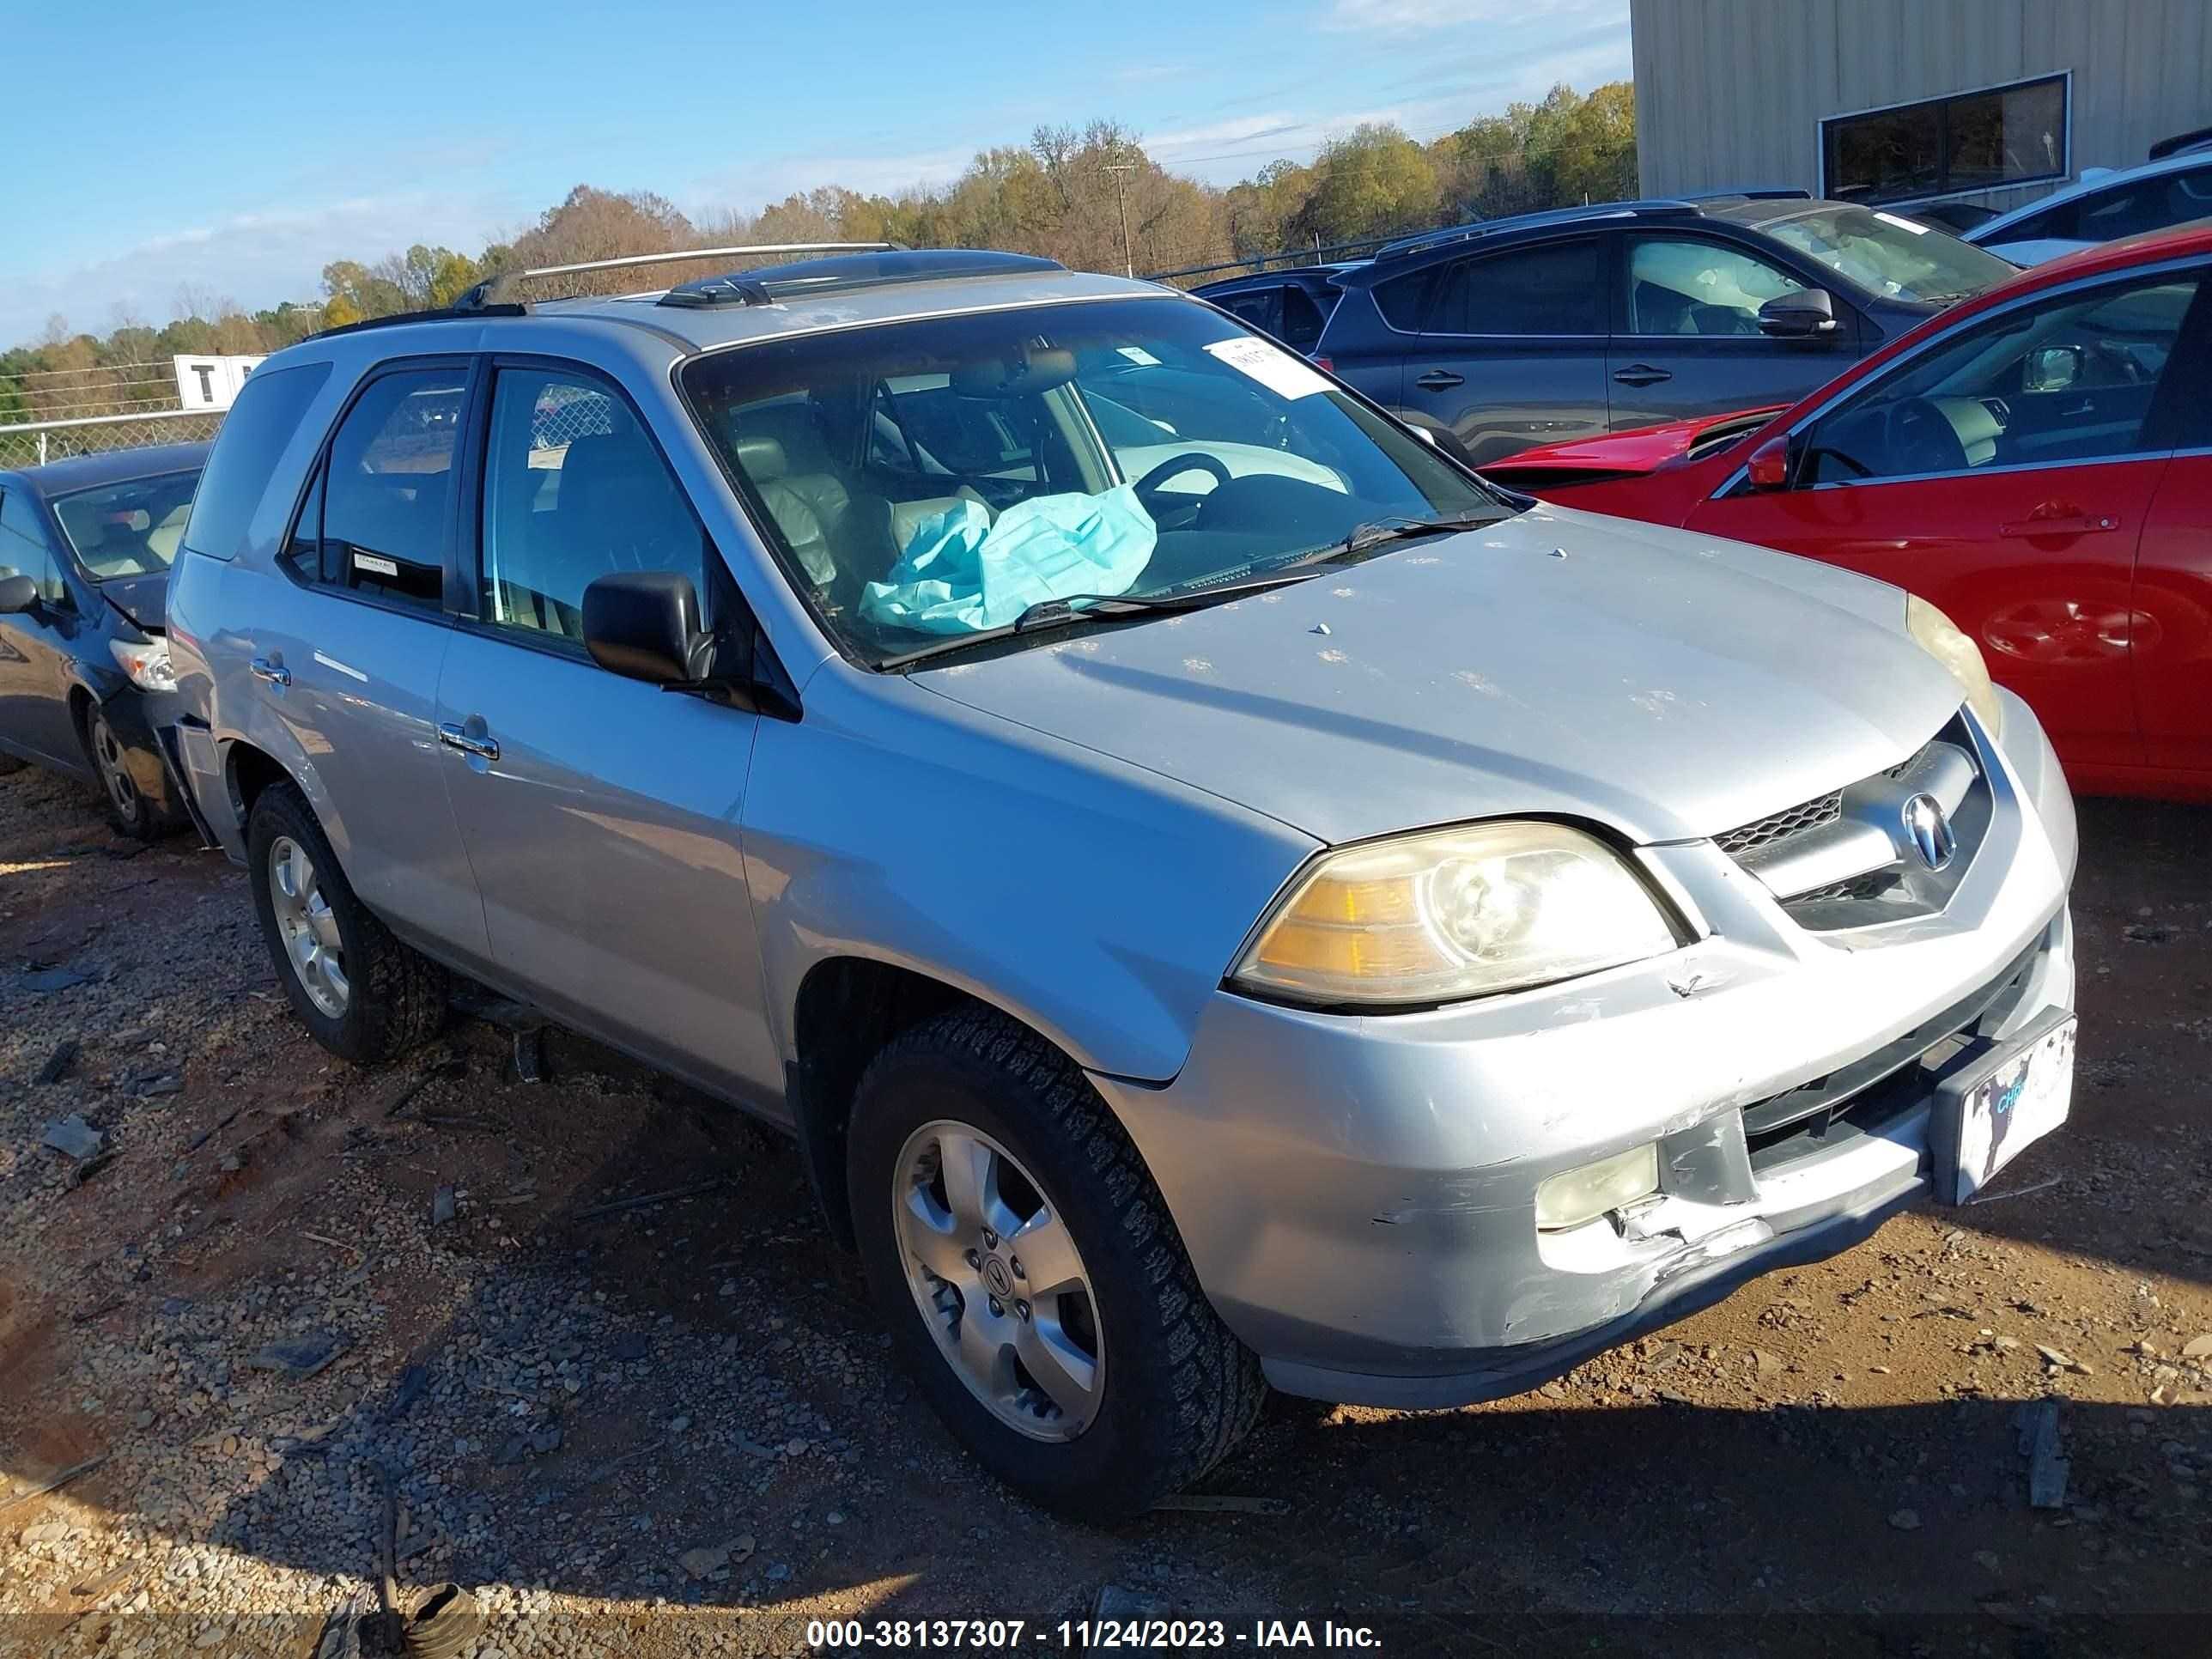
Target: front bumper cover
pixel 1358 1194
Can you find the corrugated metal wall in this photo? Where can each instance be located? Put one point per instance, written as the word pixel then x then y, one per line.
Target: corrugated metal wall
pixel 1732 92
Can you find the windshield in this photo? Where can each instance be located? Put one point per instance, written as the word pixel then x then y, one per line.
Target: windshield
pixel 934 480
pixel 128 529
pixel 1891 254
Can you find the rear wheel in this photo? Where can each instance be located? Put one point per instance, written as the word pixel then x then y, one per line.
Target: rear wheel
pixel 365 996
pixel 1030 1275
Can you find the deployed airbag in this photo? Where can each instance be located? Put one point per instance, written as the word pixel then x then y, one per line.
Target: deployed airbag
pixel 960 572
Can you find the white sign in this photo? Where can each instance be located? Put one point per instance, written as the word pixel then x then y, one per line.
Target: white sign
pixel 1271 365
pixel 211 383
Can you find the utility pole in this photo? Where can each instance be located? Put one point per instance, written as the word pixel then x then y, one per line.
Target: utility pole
pixel 1121 195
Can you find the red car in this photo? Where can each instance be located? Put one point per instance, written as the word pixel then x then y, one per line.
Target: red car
pixel 2036 462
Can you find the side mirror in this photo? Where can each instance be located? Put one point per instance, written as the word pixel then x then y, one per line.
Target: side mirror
pixel 644 625
pixel 1805 314
pixel 2052 368
pixel 1769 466
pixel 17 594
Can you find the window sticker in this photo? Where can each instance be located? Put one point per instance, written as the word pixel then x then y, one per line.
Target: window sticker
pixel 1271 367
pixel 1139 355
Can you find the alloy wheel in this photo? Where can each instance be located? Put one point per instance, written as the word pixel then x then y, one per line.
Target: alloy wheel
pixel 115 771
pixel 999 1280
pixel 309 926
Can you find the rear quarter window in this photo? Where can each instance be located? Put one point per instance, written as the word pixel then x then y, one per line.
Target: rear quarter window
pixel 244 459
pixel 1402 298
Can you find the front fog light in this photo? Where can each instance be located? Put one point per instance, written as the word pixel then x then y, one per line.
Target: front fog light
pixel 1574 1196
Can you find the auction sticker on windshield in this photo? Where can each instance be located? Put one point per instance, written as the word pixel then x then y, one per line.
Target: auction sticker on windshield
pixel 1271 365
pixel 1986 1115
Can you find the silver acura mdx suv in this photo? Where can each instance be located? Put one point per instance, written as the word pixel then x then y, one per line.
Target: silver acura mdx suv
pixel 1221 896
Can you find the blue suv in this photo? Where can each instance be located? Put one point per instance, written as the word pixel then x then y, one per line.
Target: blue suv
pixel 1557 325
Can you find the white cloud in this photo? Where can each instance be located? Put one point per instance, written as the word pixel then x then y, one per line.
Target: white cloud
pixel 1409 16
pixel 756 183
pixel 1162 146
pixel 255 258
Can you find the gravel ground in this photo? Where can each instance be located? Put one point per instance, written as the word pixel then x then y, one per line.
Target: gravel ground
pixel 673 1428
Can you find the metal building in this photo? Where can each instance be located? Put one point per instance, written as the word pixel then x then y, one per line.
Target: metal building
pixel 1988 102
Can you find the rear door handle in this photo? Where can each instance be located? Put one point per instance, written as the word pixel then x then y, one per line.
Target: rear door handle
pixel 269 673
pixel 1642 374
pixel 1440 379
pixel 2058 523
pixel 454 737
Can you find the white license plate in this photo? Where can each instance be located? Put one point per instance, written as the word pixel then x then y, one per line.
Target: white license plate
pixel 2022 1098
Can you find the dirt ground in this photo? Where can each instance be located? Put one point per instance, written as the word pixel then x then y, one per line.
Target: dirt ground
pixel 673 1428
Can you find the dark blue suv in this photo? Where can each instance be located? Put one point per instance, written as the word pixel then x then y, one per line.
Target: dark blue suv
pixel 1565 325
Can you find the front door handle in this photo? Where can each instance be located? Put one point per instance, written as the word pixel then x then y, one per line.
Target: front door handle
pixel 454 737
pixel 1642 374
pixel 269 673
pixel 1440 379
pixel 2047 522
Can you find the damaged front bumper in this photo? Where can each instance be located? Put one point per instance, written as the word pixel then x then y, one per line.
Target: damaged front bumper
pixel 1359 1194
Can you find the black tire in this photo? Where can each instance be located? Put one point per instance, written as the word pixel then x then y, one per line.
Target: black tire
pixel 397 997
pixel 1179 1390
pixel 129 811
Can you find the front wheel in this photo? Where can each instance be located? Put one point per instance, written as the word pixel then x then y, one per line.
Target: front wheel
pixel 128 809
pixel 1031 1276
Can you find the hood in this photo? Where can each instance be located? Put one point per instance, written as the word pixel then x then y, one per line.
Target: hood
pixel 1666 684
pixel 144 598
pixel 1625 454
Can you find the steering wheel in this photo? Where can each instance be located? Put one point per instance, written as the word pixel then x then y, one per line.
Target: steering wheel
pixel 1175 466
pixel 1918 428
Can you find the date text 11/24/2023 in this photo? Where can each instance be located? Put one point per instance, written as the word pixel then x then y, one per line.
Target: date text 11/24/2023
pixel 1087 1635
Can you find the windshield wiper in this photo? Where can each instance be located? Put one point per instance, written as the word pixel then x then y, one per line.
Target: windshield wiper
pixel 1380 532
pixel 1089 607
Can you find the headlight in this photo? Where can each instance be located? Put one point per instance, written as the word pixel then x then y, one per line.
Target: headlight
pixel 1455 913
pixel 148 665
pixel 1944 640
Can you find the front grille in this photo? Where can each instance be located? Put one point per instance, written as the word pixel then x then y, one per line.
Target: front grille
pixel 1840 892
pixel 1846 859
pixel 1778 826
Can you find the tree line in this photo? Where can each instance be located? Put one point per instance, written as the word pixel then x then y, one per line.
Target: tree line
pixel 1067 194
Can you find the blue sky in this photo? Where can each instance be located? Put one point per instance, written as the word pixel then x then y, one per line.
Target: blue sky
pixel 246 147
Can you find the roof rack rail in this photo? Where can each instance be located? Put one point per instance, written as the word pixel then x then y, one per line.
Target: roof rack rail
pixel 494 288
pixel 841 273
pixel 1750 193
pixel 451 314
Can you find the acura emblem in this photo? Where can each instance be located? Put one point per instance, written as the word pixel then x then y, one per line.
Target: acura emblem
pixel 1930 831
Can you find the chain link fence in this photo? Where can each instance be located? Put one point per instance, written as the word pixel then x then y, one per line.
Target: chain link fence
pixel 35 443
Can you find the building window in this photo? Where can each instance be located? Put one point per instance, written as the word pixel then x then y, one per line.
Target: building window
pixel 1970 141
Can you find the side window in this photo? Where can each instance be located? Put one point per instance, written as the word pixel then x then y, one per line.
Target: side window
pixel 388 486
pixel 2142 204
pixel 24 548
pixel 2084 377
pixel 261 423
pixel 1402 298
pixel 302 552
pixel 1556 289
pixel 1262 309
pixel 1302 320
pixel 1681 285
pixel 573 491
